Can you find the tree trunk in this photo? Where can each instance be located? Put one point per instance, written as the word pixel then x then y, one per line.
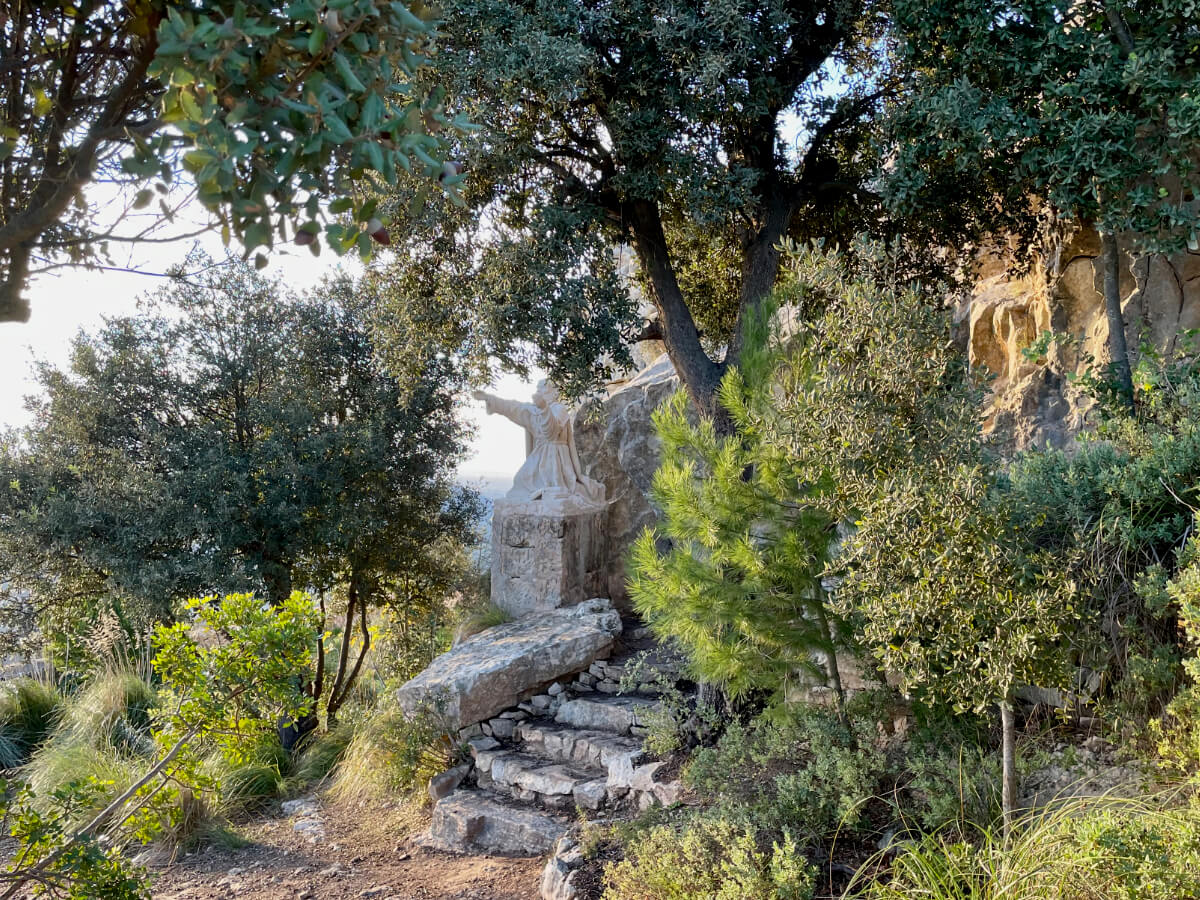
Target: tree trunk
pixel 1008 765
pixel 1111 258
pixel 699 374
pixel 760 265
pixel 277 578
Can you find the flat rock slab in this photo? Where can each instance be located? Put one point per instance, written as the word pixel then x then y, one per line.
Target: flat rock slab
pixel 565 744
pixel 497 668
pixel 474 822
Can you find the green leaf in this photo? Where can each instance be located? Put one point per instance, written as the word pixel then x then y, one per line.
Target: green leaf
pixel 42 104
pixel 316 40
pixel 190 107
pixel 337 128
pixel 347 73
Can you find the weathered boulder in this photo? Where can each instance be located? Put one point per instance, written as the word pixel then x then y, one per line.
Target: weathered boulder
pixel 558 878
pixel 497 668
pixel 618 447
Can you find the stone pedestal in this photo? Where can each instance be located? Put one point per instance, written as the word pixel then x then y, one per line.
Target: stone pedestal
pixel 546 555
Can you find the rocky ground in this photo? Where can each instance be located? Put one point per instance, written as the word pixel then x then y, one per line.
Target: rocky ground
pixel 322 852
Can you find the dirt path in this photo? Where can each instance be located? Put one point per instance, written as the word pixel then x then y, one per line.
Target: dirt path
pixel 357 852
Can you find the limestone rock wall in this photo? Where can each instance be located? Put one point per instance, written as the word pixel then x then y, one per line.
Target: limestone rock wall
pixel 618 447
pixel 1033 404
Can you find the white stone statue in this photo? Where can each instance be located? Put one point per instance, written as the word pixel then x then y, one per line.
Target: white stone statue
pixel 551 472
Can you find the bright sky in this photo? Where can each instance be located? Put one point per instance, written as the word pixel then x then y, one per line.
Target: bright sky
pixel 72 299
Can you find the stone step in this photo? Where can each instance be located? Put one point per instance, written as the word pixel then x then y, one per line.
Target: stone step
pixel 534 778
pixel 618 715
pixel 563 743
pixel 474 821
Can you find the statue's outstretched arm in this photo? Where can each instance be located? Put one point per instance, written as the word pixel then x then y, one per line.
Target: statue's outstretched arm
pixel 514 410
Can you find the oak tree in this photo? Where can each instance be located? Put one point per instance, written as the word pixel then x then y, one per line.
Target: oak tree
pixel 233 438
pixel 659 125
pixel 269 111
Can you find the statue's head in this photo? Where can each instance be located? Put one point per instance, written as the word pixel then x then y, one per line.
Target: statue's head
pixel 545 393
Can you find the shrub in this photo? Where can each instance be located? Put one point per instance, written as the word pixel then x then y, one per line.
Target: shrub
pixel 233 674
pixel 954 787
pixel 29 712
pixel 1178 732
pixel 1114 510
pixel 809 772
pixel 59 860
pixel 709 858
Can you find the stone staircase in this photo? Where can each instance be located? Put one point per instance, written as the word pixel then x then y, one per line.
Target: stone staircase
pixel 574 749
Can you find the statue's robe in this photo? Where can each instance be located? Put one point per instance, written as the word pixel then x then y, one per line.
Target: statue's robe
pixel 551 469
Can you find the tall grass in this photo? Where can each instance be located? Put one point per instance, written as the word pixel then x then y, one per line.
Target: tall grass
pixel 1102 848
pixel 113 709
pixel 480 618
pixel 29 712
pixel 390 753
pixel 103 732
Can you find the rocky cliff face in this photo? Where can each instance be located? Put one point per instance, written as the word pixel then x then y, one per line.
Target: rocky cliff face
pixel 1032 403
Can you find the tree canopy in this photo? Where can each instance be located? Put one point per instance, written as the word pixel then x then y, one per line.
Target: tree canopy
pixel 662 126
pixel 1093 107
pixel 1040 109
pixel 233 437
pixel 268 110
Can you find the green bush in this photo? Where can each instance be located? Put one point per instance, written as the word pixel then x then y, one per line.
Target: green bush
pixel 807 772
pixel 1114 510
pixel 709 858
pixel 29 712
pixel 952 787
pixel 55 859
pixel 1177 732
